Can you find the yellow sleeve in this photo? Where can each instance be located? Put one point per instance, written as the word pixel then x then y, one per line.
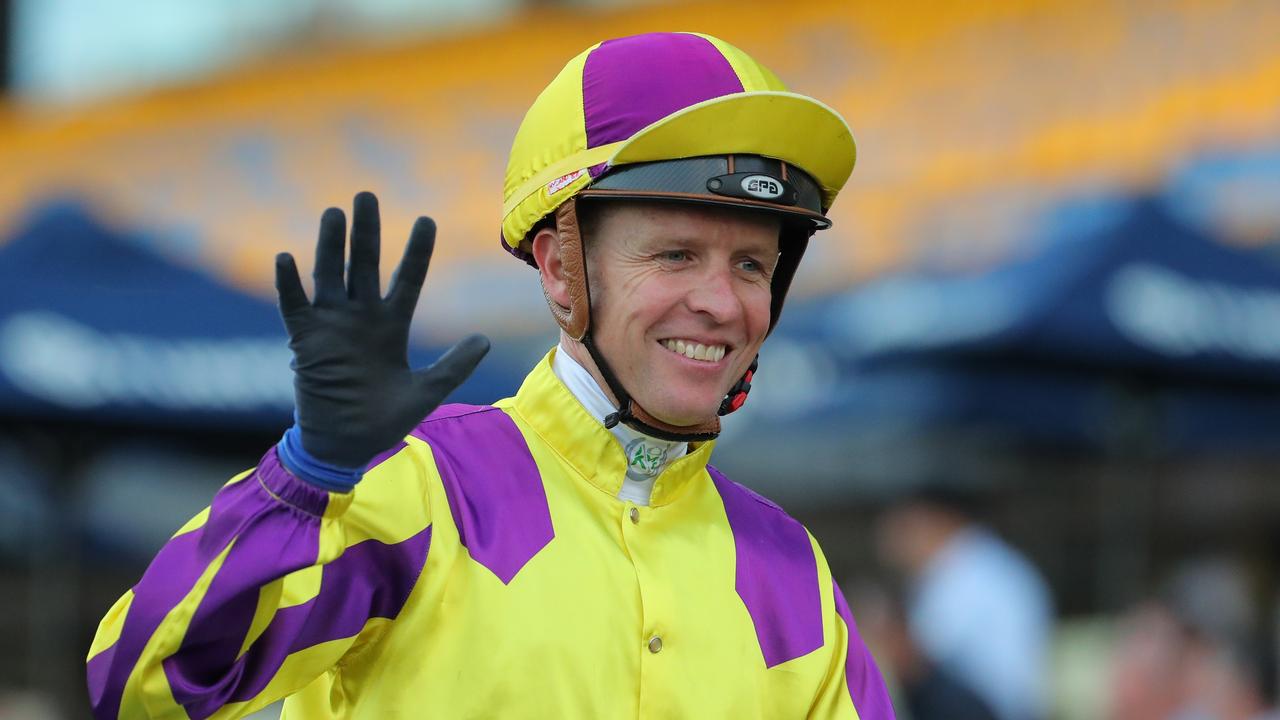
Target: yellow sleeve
pixel 263 591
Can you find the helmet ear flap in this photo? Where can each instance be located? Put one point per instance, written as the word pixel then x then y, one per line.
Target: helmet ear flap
pixel 793 242
pixel 575 319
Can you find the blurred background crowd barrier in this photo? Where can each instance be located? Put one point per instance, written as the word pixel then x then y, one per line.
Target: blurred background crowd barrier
pixel 1027 393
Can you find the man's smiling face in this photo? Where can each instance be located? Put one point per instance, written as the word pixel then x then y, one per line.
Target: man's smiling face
pixel 680 299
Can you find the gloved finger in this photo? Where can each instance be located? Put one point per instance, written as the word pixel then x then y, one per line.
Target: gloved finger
pixel 435 383
pixel 329 257
pixel 366 230
pixel 406 284
pixel 289 286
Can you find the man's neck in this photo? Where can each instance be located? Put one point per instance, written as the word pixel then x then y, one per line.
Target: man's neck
pixel 576 352
pixel 646 456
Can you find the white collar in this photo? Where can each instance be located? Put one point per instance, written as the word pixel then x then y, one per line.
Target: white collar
pixel 647 456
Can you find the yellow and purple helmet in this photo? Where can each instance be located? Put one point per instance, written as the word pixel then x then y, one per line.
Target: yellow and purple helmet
pixel 663 96
pixel 676 117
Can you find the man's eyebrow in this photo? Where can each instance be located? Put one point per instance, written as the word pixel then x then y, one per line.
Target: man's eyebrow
pixel 764 247
pixel 761 247
pixel 660 239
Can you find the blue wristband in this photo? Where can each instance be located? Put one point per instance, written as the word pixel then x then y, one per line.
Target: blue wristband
pixel 321 474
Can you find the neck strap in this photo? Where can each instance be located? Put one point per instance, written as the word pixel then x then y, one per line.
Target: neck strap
pixel 630 413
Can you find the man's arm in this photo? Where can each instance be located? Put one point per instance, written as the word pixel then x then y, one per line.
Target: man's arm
pixel 263 592
pixel 290 569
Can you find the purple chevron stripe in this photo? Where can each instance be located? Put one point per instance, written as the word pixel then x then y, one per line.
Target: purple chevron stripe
pixel 165 582
pixel 369 580
pixel 866 687
pixel 777 575
pixel 259 556
pixel 270 545
pixel 242 510
pixel 631 82
pixel 493 485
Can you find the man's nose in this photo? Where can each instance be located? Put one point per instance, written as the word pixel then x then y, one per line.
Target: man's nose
pixel 713 295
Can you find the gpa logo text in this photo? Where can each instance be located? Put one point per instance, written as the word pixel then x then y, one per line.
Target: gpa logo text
pixel 762 186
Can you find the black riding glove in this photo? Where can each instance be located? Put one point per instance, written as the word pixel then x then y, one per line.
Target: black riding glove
pixel 356 395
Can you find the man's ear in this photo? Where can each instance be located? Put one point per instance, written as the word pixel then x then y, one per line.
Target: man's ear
pixel 546 252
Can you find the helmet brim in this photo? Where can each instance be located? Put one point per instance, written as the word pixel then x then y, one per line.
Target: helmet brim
pixel 796 129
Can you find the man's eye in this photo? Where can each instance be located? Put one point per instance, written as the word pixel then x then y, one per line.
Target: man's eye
pixel 675 255
pixel 751 266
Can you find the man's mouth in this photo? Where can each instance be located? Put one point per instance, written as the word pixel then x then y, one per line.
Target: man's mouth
pixel 695 350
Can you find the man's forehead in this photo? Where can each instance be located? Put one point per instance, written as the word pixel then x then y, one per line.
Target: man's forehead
pixel 639 220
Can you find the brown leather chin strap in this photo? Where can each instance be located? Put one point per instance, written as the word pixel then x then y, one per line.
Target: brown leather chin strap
pixel 652 426
pixel 576 322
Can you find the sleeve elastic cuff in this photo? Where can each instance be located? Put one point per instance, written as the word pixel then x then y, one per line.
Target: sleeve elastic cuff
pixel 320 474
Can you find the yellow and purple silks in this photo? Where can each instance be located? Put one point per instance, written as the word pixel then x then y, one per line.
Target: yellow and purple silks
pixel 486 567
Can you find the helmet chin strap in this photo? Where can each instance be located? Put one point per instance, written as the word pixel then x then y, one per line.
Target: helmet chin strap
pixel 576 322
pixel 637 418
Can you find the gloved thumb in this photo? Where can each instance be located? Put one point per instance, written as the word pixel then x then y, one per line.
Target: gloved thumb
pixel 433 384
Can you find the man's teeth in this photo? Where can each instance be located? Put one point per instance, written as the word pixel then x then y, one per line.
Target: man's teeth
pixel 695 351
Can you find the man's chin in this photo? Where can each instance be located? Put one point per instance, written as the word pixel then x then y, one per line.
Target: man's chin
pixel 677 401
pixel 681 416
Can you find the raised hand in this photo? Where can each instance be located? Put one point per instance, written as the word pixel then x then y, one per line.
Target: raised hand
pixel 356 395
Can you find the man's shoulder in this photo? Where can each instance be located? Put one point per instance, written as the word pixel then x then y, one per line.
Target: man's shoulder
pixel 429 430
pixel 456 421
pixel 477 434
pixel 456 411
pixel 752 514
pixel 491 484
pixel 740 492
